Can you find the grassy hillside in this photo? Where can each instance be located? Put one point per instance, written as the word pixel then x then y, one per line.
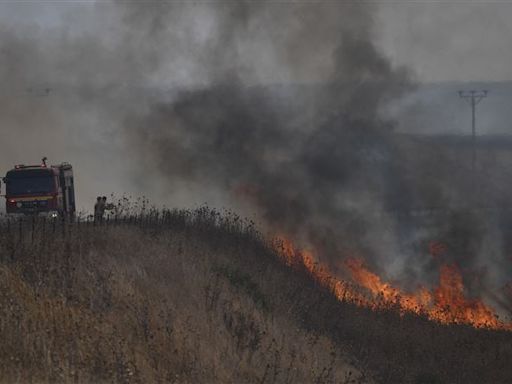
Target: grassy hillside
pixel 196 297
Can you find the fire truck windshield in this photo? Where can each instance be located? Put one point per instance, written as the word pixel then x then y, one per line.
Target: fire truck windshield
pixel 29 182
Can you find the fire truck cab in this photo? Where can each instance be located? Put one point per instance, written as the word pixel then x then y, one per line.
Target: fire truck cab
pixel 40 189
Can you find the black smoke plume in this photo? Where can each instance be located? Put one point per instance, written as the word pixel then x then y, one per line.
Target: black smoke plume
pixel 314 159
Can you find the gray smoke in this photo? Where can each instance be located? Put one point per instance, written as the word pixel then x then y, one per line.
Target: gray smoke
pixel 274 109
pixel 313 158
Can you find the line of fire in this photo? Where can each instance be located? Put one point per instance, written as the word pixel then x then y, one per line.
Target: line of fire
pixel 48 190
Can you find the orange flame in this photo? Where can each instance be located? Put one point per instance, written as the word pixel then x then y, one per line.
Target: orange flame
pixel 445 304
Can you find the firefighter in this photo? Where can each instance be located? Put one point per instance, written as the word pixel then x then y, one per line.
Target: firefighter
pixel 99 209
pixel 107 206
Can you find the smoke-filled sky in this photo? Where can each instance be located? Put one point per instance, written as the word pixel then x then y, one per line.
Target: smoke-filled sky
pixel 285 111
pixel 106 63
pixel 440 40
pixel 93 54
pixel 448 40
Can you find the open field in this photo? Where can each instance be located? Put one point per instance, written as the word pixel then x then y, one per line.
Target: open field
pixel 199 297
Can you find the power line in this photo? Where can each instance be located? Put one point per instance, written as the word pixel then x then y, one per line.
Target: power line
pixel 473 97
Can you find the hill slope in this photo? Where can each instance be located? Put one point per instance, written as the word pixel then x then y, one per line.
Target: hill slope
pixel 127 304
pixel 201 298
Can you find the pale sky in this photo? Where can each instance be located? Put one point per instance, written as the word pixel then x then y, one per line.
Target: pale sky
pixel 439 40
pixel 448 40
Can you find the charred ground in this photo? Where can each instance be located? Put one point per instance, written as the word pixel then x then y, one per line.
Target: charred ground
pixel 182 296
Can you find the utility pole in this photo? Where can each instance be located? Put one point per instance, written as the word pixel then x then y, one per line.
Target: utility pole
pixel 473 98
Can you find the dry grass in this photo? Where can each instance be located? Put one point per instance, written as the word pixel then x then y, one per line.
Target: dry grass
pixel 197 297
pixel 183 303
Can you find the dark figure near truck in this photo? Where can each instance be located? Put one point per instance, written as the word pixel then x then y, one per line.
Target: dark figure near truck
pixel 99 209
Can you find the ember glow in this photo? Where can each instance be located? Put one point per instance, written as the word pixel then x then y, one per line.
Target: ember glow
pixel 446 303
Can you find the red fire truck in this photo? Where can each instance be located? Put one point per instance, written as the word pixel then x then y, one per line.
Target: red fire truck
pixel 40 189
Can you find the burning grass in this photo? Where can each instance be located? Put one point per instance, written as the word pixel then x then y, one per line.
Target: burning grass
pixel 184 297
pixel 446 303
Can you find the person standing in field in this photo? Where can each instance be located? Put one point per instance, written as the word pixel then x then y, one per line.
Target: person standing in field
pixel 99 209
pixel 106 206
